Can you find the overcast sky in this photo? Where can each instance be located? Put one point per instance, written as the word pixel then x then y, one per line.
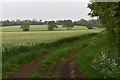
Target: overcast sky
pixel 45 9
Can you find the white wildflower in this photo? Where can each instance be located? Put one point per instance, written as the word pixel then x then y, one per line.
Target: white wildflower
pixel 94 60
pixel 104 77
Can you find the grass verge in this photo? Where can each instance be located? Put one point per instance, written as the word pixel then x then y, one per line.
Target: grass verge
pixel 100 58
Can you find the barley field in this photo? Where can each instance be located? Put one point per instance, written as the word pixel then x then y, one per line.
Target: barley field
pixel 14 36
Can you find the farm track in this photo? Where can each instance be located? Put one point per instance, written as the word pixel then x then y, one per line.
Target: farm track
pixel 27 70
pixel 65 68
pixel 69 69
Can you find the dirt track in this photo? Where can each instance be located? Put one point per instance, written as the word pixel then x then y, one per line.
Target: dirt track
pixel 27 70
pixel 67 68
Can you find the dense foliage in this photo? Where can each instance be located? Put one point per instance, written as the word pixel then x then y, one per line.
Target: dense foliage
pixel 89 25
pixel 83 22
pixel 105 11
pixel 68 24
pixel 19 22
pixel 109 15
pixel 25 26
pixel 51 25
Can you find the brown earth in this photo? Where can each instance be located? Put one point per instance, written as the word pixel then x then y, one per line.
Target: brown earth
pixel 27 70
pixel 69 69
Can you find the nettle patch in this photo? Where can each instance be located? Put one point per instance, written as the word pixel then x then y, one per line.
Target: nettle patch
pixel 106 65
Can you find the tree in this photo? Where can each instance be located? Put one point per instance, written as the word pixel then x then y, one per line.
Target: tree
pixel 59 22
pixel 105 12
pixel 6 23
pixel 45 22
pixel 82 22
pixel 51 25
pixel 40 22
pixel 18 22
pixel 68 24
pixel 25 25
pixel 89 25
pixel 75 23
pixel 96 23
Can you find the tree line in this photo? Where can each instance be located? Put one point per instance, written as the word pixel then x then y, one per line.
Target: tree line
pixel 69 24
pixel 82 22
pixel 51 25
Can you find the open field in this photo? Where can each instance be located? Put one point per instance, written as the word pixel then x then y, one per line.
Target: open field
pixel 38 28
pixel 38 37
pixel 34 36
